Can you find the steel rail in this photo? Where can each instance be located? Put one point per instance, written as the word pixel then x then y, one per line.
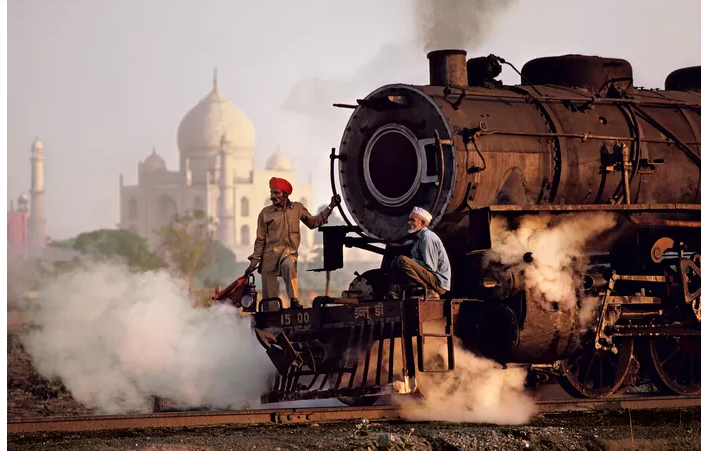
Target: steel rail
pixel 306 415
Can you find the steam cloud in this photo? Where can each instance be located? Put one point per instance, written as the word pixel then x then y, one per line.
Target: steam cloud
pixel 455 24
pixel 480 390
pixel 477 390
pixel 558 247
pixel 116 338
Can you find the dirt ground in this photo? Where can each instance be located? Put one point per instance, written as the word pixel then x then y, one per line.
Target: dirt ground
pixel 29 395
pixel 650 430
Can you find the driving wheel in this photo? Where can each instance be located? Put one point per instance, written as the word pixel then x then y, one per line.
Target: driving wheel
pixel 593 373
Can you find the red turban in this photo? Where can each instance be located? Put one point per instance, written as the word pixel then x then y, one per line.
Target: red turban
pixel 280 184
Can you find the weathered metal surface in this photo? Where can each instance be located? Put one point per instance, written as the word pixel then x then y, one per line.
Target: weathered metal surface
pixel 684 79
pixel 117 422
pixel 448 67
pixel 303 415
pixel 501 154
pixel 593 74
pixel 659 247
pixel 570 97
pixel 537 334
pixel 582 136
pixel 641 207
pixel 640 403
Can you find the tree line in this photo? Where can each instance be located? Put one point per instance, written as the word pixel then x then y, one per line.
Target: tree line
pixel 186 247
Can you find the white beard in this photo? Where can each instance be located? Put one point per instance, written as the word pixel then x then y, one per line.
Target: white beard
pixel 414 229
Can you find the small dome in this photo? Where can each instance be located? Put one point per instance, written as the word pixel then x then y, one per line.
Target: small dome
pixel 279 162
pixel 154 162
pixel 22 199
pixel 37 145
pixel 214 117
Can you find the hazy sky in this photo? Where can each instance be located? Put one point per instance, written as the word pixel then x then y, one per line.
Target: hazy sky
pixel 102 81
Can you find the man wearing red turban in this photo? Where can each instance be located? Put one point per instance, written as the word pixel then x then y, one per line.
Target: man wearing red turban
pixel 278 239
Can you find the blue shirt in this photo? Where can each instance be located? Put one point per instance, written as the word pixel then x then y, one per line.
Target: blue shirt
pixel 428 251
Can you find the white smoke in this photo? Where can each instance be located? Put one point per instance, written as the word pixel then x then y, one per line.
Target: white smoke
pixel 558 245
pixel 116 338
pixel 477 390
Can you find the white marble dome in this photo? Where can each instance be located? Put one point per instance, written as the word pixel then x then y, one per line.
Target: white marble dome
pixel 154 162
pixel 203 127
pixel 279 162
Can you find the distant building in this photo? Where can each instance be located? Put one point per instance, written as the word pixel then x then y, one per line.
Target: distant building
pixel 26 227
pixel 17 229
pixel 37 220
pixel 216 175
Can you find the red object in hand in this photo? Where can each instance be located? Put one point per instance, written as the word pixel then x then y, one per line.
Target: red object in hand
pixel 234 292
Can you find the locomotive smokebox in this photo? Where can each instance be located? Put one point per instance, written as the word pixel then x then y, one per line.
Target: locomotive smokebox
pixel 448 67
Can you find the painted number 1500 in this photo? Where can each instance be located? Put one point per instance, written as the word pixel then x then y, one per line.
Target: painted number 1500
pixel 301 318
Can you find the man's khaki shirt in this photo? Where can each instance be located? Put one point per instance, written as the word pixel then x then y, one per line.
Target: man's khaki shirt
pixel 278 233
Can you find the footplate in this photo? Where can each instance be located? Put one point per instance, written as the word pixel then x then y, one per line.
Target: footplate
pixel 350 349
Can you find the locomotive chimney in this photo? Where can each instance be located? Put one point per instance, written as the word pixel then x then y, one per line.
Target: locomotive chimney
pixel 448 67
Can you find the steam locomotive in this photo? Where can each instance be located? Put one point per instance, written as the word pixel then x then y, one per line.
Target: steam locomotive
pixel 575 137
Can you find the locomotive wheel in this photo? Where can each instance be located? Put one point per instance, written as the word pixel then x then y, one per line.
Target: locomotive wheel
pixel 596 373
pixel 676 364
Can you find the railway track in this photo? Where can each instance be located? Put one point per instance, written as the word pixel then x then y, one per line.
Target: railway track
pixel 306 415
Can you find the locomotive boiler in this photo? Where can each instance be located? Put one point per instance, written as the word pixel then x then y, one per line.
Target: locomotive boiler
pixel 575 138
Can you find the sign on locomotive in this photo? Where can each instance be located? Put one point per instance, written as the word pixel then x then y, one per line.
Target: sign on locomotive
pixel 575 138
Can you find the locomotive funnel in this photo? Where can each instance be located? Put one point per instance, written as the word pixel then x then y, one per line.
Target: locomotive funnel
pixel 448 67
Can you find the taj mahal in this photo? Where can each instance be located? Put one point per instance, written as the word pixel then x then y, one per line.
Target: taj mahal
pixel 216 175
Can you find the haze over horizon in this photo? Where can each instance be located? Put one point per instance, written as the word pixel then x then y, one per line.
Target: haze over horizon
pixel 100 82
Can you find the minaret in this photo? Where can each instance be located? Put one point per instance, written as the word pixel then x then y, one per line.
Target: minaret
pixel 226 196
pixel 37 221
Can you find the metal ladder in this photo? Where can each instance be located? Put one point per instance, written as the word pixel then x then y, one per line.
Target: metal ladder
pixel 448 334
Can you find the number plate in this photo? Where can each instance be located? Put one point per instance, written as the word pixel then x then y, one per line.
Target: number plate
pixel 301 317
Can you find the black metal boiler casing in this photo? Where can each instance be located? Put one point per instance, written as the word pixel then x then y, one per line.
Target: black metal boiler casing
pixel 450 146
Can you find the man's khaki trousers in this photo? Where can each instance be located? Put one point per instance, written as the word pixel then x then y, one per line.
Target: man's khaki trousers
pixel 409 271
pixel 288 269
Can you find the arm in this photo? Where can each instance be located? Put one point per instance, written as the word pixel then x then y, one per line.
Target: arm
pixel 260 242
pixel 419 251
pixel 431 255
pixel 312 222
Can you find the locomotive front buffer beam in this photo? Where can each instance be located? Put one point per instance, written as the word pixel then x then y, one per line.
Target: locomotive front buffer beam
pixel 346 349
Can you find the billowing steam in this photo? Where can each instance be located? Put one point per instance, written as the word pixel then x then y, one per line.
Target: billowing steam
pixel 477 390
pixel 116 338
pixel 455 24
pixel 558 247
